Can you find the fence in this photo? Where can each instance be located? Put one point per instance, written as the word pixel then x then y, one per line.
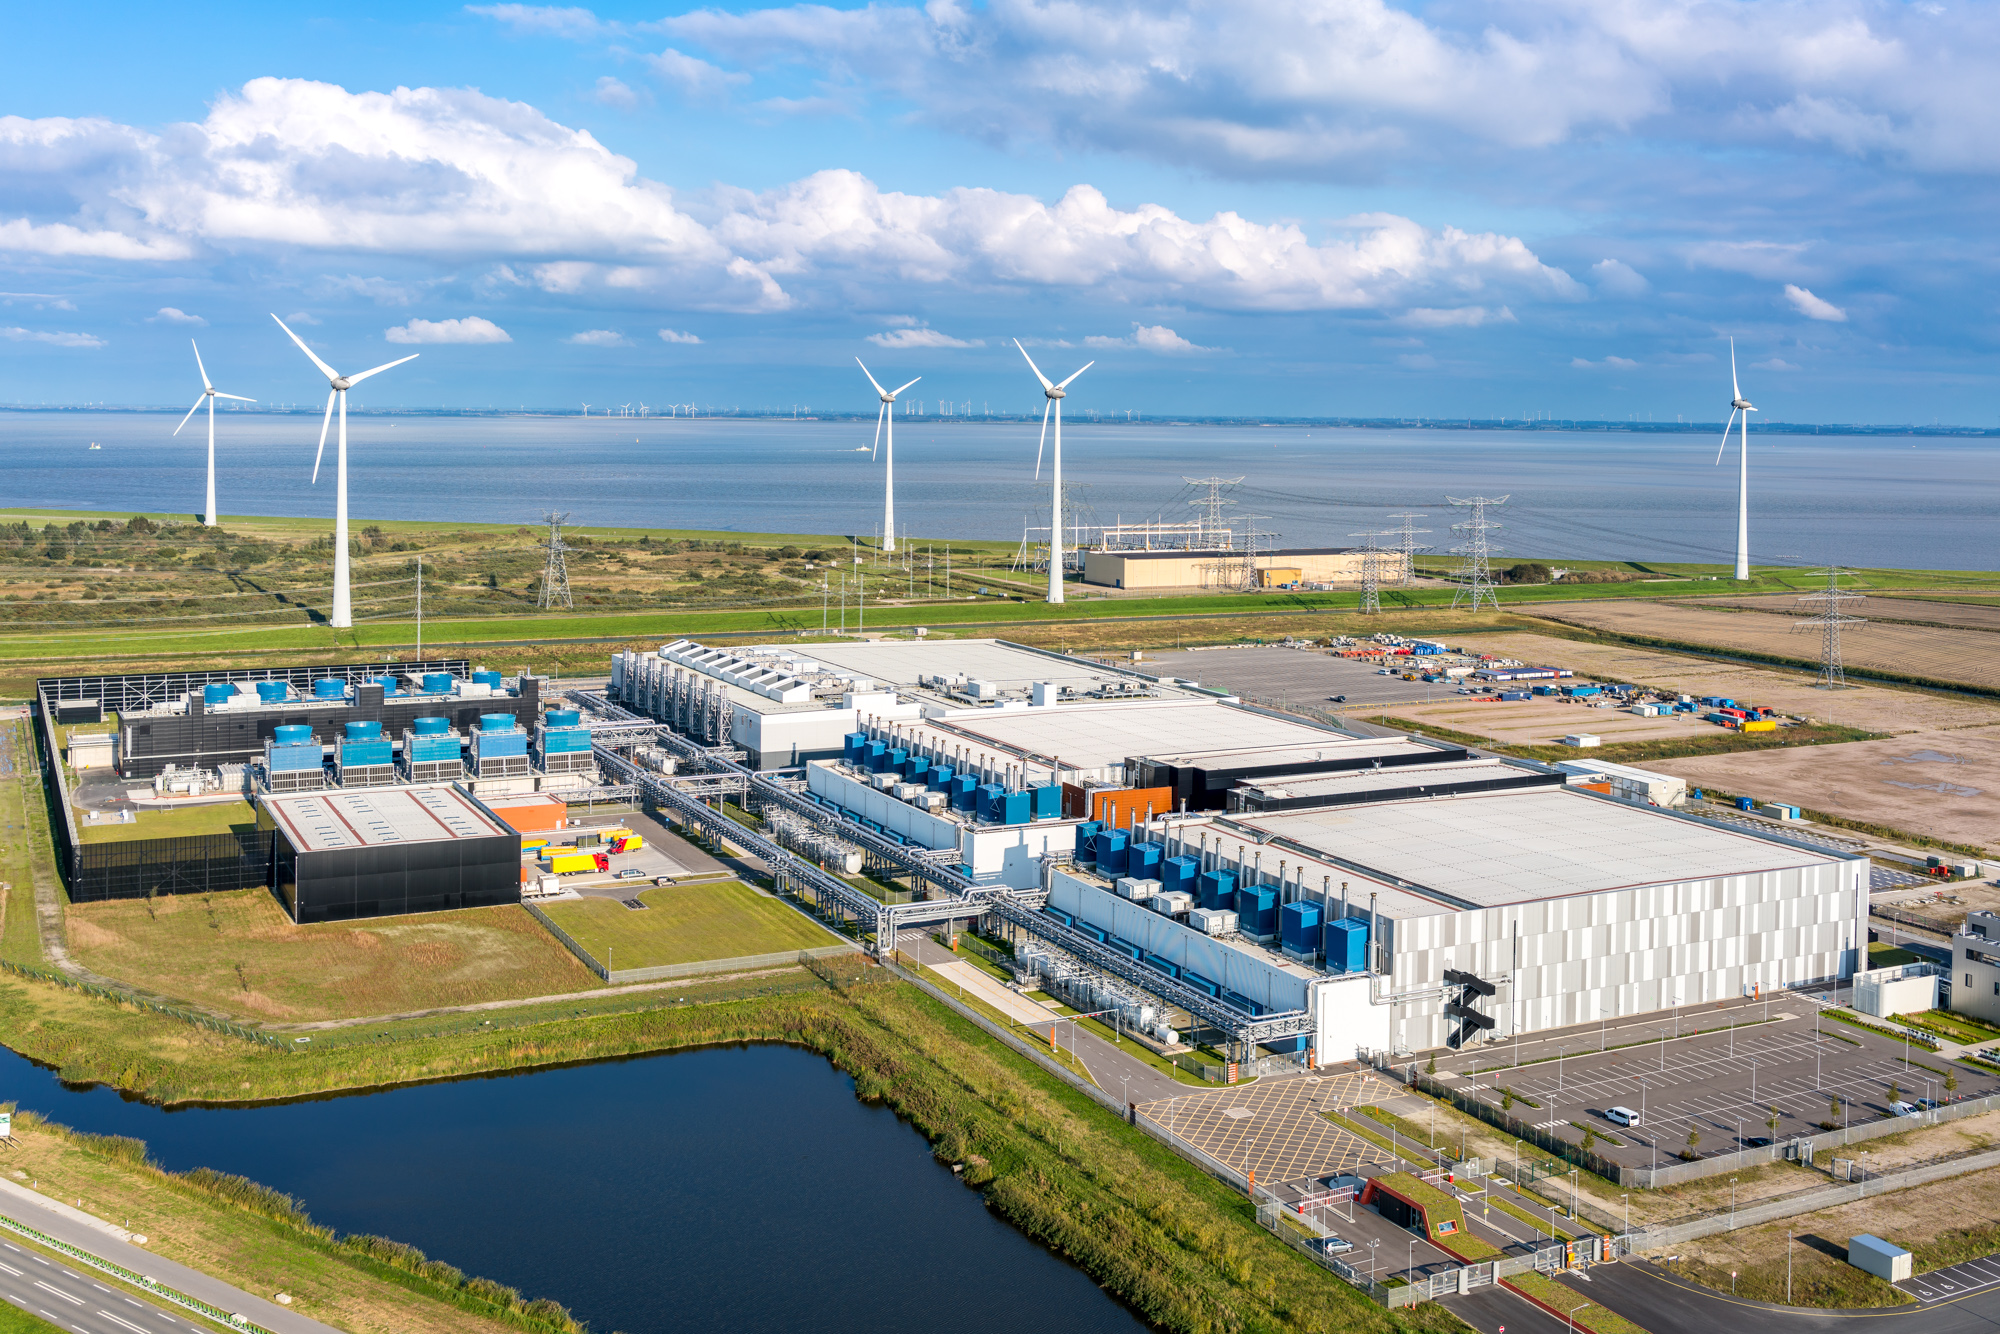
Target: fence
pixel 148 1285
pixel 195 864
pixel 194 1017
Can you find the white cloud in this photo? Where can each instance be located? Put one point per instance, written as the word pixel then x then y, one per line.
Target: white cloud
pixel 1285 87
pixel 171 315
pixel 39 300
pixel 1616 278
pixel 301 317
pixel 19 335
pixel 589 338
pixel 566 21
pixel 1774 364
pixel 677 336
pixel 449 176
pixel 1812 307
pixel 471 329
pixel 1608 364
pixel 902 339
pixel 695 78
pixel 1152 338
pixel 614 92
pixel 1758 259
pixel 1458 317
pixel 1417 361
pixel 64 241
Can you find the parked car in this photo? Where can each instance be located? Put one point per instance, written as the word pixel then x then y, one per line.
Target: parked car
pixel 1334 1245
pixel 1901 1108
pixel 1623 1116
pixel 629 873
pixel 1337 699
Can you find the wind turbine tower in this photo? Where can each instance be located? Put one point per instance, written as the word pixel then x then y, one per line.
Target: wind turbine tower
pixel 337 387
pixel 1739 405
pixel 1055 394
pixel 209 393
pixel 886 414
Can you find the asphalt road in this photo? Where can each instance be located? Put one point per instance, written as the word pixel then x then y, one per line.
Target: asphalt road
pixel 1665 1304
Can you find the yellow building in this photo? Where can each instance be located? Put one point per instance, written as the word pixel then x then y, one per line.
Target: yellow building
pixel 1225 569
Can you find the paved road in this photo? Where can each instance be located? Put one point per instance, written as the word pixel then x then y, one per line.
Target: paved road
pixel 101 1239
pixel 72 1299
pixel 1666 1304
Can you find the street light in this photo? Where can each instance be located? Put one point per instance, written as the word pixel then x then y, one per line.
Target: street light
pixel 1732 1204
pixel 1374 1258
pixel 1572 1315
pixel 1628 1213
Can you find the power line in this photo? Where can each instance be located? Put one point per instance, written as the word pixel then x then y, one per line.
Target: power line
pixel 1371 573
pixel 1832 675
pixel 555 576
pixel 1410 547
pixel 1475 572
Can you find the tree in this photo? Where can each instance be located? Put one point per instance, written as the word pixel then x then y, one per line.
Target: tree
pixel 1589 1138
pixel 1432 1067
pixel 1771 1121
pixel 1528 572
pixel 1950 1083
pixel 1506 1100
pixel 1694 1139
pixel 1895 1091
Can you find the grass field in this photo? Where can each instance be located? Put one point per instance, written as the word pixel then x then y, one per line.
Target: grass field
pixel 686 924
pixel 239 953
pixel 220 818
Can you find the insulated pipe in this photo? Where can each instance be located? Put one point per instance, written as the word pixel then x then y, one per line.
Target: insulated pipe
pixel 1281 882
pixel 1374 934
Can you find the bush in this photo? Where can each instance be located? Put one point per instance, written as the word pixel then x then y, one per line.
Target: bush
pixel 1527 572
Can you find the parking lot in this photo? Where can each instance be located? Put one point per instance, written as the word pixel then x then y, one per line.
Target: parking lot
pixel 1721 1083
pixel 1306 677
pixel 665 854
pixel 1960 1280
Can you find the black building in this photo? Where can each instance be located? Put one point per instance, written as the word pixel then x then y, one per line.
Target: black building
pixel 387 851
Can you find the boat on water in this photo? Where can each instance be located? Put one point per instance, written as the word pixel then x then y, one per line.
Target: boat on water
pixel 95 445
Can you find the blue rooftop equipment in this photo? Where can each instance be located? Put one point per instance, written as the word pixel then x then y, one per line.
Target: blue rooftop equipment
pixel 939 777
pixel 874 757
pixel 438 683
pixel 1200 983
pixel 328 688
pixel 1159 965
pixel 431 741
pixel 363 730
pixel 273 692
pixel 851 746
pixel 500 735
pixel 364 745
pixel 1014 808
pixel 1123 946
pixel 291 734
pixel 1045 802
pixel 388 684
pixel 292 749
pixel 1257 911
pixel 1112 852
pixel 964 792
pixel 990 797
pixel 1347 945
pixel 1298 927
pixel 1215 891
pixel 1144 861
pixel 1086 840
pixel 892 761
pixel 917 769
pixel 1243 1003
pixel 1178 873
pixel 217 692
pixel 486 677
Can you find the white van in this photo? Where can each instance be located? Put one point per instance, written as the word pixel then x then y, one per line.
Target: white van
pixel 1902 1109
pixel 1623 1116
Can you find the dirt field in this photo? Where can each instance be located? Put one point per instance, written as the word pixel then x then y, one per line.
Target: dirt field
pixel 1961 657
pixel 1922 611
pixel 1544 721
pixel 1873 708
pixel 1944 784
pixel 239 953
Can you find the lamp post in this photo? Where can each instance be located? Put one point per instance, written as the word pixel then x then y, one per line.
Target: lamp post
pixel 1411 1262
pixel 1788 1267
pixel 1559 1066
pixel 1628 1213
pixel 1374 1258
pixel 1732 1202
pixel 1572 1315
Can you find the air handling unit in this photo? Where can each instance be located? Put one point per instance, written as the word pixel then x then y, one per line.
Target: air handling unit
pixel 363 757
pixel 562 741
pixel 499 748
pixel 431 752
pixel 293 760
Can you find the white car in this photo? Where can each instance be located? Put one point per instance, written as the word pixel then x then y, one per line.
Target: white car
pixel 1623 1116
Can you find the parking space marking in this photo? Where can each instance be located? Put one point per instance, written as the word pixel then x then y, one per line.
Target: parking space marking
pixel 1274 1127
pixel 1958 1280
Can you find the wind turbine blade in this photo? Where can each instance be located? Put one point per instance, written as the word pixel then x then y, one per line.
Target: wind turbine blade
pixel 357 379
pixel 238 397
pixel 325 422
pixel 1033 367
pixel 871 379
pixel 198 366
pixel 880 415
pixel 898 391
pixel 1725 435
pixel 1079 370
pixel 1045 431
pixel 325 369
pixel 1736 390
pixel 191 412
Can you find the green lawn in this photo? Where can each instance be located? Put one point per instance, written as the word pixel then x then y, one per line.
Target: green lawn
pixel 220 818
pixel 687 924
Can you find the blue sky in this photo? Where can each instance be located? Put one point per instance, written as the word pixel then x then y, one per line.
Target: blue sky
pixel 1338 208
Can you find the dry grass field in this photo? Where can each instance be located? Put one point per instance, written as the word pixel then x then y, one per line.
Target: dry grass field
pixel 1919 611
pixel 1544 721
pixel 1872 708
pixel 1957 656
pixel 1942 784
pixel 686 924
pixel 239 953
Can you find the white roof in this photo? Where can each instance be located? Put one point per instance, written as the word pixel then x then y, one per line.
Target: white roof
pixel 376 816
pixel 1370 780
pixel 1516 847
pixel 1093 735
pixel 901 662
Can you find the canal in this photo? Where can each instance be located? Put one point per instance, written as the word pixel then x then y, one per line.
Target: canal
pixel 726 1188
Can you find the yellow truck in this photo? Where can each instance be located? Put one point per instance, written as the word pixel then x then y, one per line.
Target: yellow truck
pixel 578 863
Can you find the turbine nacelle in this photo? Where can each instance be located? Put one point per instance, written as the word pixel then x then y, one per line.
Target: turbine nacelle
pixel 1741 405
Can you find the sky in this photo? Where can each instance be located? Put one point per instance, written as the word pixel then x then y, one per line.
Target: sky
pixel 1560 209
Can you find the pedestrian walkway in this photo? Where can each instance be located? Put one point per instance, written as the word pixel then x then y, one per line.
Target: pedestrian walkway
pixel 1274 1127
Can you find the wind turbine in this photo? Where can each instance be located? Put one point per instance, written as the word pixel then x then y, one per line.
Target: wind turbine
pixel 209 393
pixel 887 413
pixel 1055 395
pixel 1739 404
pixel 337 387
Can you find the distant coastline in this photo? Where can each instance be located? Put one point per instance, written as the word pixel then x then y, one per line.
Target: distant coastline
pixel 1084 419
